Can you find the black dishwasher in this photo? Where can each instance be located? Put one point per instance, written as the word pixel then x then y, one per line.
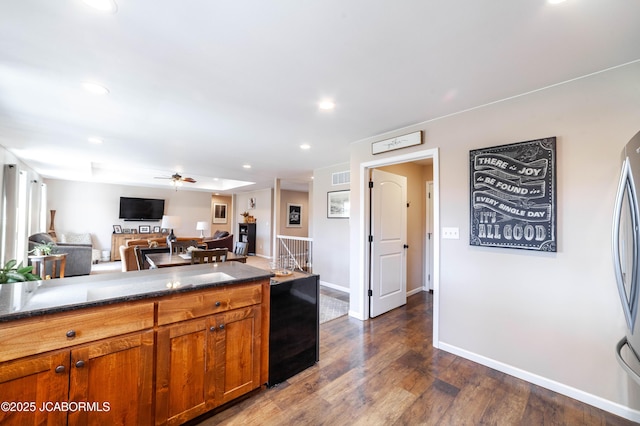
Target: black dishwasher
pixel 294 327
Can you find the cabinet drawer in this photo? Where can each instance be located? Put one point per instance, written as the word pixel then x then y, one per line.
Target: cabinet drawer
pixel 194 305
pixel 48 332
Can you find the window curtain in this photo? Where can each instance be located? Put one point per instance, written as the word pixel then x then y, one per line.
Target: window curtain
pixel 9 214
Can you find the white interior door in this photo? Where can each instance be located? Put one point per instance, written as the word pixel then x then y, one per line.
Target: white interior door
pixel 388 287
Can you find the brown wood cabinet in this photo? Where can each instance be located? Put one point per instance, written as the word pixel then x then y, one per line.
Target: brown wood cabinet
pixel 201 349
pixel 206 362
pixel 106 382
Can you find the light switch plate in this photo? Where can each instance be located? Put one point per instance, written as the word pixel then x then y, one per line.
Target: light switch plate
pixel 451 233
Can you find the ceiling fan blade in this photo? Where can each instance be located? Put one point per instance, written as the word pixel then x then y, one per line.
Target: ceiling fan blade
pixel 188 179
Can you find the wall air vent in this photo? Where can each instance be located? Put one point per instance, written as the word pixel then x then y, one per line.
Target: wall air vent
pixel 341 178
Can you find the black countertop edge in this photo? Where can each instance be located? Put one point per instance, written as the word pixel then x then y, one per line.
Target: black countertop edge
pixel 252 275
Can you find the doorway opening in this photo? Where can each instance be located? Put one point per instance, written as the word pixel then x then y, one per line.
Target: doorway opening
pixel 365 218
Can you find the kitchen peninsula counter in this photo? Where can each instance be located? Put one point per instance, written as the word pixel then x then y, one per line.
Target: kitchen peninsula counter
pixel 144 347
pixel 58 295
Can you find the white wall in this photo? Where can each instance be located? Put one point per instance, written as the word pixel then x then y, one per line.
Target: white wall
pixel 263 212
pixel 553 318
pixel 94 207
pixel 330 236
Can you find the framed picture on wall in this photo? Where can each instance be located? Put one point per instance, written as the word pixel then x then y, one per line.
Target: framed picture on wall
pixel 338 204
pixel 219 213
pixel 252 203
pixel 294 215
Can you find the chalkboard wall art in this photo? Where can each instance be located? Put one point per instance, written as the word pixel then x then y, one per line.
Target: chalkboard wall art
pixel 513 196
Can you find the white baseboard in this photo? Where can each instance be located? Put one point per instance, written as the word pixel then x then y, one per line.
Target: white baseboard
pixel 587 398
pixel 416 290
pixel 334 286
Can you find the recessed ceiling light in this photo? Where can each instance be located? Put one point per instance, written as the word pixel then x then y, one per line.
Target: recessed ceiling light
pixel 95 140
pixel 327 105
pixel 305 146
pixel 102 5
pixel 95 88
pixel 246 166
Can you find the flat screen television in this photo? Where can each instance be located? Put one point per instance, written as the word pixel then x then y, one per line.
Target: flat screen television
pixel 141 208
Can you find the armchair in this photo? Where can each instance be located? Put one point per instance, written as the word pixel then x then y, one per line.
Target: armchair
pixel 220 239
pixel 78 255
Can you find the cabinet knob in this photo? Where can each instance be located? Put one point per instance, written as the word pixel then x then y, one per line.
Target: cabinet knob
pixel 218 304
pixel 71 334
pixel 221 326
pixel 212 328
pixel 60 369
pixel 80 364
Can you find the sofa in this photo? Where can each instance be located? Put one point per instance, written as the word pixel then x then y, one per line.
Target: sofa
pixel 220 239
pixel 75 239
pixel 78 261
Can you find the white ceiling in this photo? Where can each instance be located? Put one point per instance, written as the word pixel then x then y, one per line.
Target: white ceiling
pixel 203 87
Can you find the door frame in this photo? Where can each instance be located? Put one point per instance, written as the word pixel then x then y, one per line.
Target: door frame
pixel 428 242
pixel 364 262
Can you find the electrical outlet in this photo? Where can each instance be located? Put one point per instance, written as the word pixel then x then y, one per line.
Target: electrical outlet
pixel 450 233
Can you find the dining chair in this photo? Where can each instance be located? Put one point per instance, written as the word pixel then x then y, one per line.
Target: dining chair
pixel 241 248
pixel 179 247
pixel 144 251
pixel 209 256
pixel 139 257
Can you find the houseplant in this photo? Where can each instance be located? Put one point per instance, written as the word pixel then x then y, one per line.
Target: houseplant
pixel 11 273
pixel 42 249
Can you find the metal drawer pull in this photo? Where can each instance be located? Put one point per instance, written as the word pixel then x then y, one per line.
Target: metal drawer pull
pixel 218 304
pixel 71 334
pixel 212 328
pixel 80 364
pixel 221 326
pixel 60 369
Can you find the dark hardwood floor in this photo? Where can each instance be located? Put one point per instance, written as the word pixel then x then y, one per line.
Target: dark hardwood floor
pixel 385 372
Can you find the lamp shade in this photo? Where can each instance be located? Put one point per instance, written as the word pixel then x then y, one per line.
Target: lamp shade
pixel 201 226
pixel 170 222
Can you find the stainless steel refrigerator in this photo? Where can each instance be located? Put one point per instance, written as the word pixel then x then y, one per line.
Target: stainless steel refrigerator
pixel 626 255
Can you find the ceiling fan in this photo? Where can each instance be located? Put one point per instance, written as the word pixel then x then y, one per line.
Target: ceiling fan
pixel 177 179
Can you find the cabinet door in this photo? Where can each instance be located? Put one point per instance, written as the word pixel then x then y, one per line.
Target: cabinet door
pixel 36 381
pixel 237 353
pixel 111 381
pixel 184 380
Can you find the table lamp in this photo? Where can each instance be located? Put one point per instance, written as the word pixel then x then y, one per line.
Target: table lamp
pixel 170 222
pixel 201 226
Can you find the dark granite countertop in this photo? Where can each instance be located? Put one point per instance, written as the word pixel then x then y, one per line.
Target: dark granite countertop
pixel 21 300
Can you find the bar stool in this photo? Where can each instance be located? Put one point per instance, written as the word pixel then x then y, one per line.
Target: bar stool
pixel 57 262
